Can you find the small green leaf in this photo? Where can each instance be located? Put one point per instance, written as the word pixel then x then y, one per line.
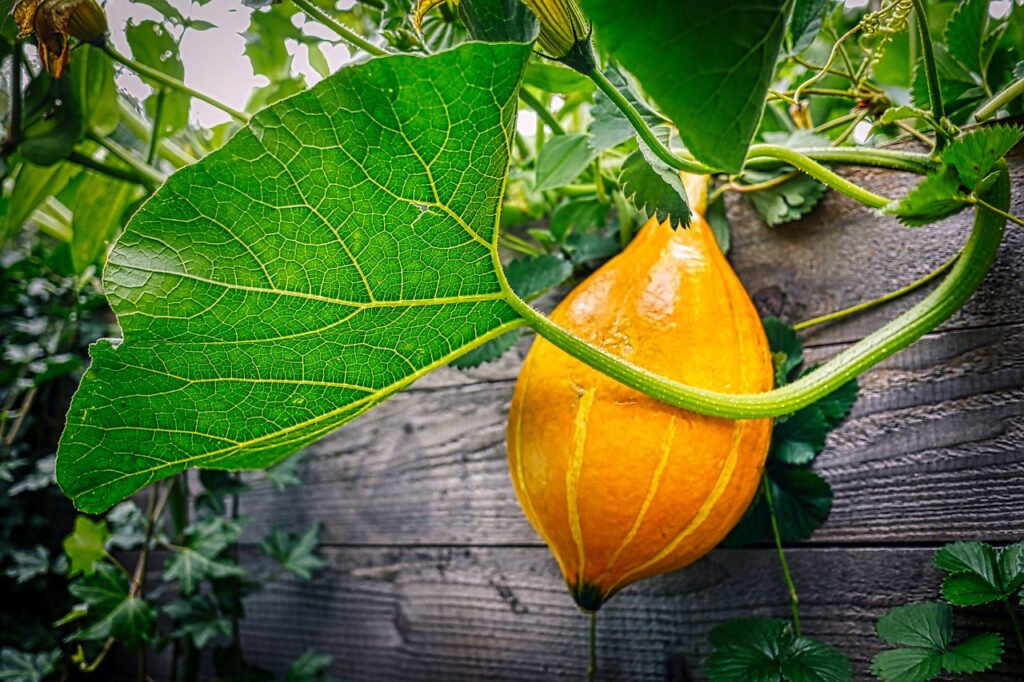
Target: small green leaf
pixel 1011 566
pixel 93 79
pixel 965 32
pixel 286 474
pixel 100 202
pixel 86 544
pixel 555 78
pixel 610 127
pixel 32 185
pixel 198 617
pixel 907 665
pixel 718 220
pixel 488 352
pixel 766 650
pixel 102 590
pixel 786 346
pixel 976 655
pixel 132 621
pixel 934 198
pixel 562 159
pixel 926 625
pixel 579 213
pixel 296 552
pixel 27 666
pixel 806 22
pixel 532 276
pixel 799 437
pixel 190 568
pixel 785 202
pixel 27 564
pixel 153 45
pixel 714 96
pixel 654 189
pixel 311 666
pixel 974 154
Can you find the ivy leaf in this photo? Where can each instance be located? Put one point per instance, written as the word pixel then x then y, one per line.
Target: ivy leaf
pixel 112 611
pixel 330 254
pixel 27 564
pixel 976 655
pixel 286 473
pixel 562 159
pixel 102 590
pixel 716 96
pixel 296 552
pixel 925 630
pixel 199 618
pixel 86 544
pixel 199 559
pixel 128 526
pixel 27 666
pixel 654 189
pixel 765 650
pixel 311 666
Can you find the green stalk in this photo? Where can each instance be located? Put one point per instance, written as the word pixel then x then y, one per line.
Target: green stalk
pixel 891 159
pixel 347 34
pixel 542 112
pixel 966 275
pixel 86 161
pixel 767 151
pixel 1000 100
pixel 163 79
pixel 167 149
pixel 1016 624
pixel 645 133
pixel 158 118
pixel 592 657
pixel 932 75
pixel 152 175
pixel 794 599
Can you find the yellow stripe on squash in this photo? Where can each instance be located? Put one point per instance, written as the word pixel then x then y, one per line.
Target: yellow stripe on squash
pixel 619 485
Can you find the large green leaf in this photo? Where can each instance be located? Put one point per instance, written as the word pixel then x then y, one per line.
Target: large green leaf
pixel 331 253
pixel 719 57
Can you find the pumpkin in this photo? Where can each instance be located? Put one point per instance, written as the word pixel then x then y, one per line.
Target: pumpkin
pixel 619 485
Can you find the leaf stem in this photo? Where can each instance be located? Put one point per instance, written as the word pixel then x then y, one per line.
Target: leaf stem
pixel 1000 100
pixel 530 100
pixel 153 176
pixel 932 75
pixel 794 599
pixel 1015 623
pixel 892 295
pixel 592 657
pixel 345 32
pixel 959 284
pixel 163 79
pixel 891 159
pixel 642 129
pixel 86 161
pixel 158 122
pixel 999 211
pixel 819 172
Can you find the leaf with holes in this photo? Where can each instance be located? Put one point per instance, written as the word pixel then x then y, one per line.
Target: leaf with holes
pixel 330 254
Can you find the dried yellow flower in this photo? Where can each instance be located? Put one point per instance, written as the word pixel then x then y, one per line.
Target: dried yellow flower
pixel 53 22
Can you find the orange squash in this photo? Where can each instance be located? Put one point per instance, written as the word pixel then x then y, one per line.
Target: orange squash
pixel 619 485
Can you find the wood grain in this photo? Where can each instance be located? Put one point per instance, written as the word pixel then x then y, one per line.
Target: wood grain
pixel 448 613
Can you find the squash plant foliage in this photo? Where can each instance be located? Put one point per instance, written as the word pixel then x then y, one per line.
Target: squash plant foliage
pixel 345 242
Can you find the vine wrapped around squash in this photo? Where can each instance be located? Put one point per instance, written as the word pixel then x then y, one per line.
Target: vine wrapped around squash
pixel 620 485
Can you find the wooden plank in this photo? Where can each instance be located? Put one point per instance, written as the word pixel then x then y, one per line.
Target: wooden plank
pixel 503 613
pixel 934 450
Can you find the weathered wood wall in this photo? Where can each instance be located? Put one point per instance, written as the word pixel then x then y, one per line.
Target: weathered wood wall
pixel 435 575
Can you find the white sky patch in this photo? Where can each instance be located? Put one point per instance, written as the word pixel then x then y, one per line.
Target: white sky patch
pixel 861 132
pixel 215 61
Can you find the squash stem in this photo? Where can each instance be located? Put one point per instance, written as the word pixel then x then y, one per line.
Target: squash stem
pixel 963 279
pixel 794 599
pixel 688 164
